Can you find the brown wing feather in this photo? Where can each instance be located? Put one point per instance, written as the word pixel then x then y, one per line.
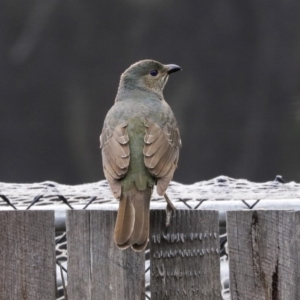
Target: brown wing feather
pixel 115 155
pixel 161 153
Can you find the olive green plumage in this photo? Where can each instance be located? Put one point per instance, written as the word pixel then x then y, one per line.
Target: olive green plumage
pixel 140 148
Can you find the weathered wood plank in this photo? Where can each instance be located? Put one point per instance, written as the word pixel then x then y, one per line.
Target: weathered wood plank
pixel 97 269
pixel 185 262
pixel 262 255
pixel 297 251
pixel 27 255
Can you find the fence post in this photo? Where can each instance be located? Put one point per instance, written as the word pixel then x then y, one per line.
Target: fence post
pixel 263 254
pixel 297 250
pixel 97 269
pixel 27 255
pixel 185 261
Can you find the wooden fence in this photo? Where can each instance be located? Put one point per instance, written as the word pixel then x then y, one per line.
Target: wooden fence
pixel 263 254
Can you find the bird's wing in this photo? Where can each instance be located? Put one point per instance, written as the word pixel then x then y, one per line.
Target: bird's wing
pixel 161 153
pixel 115 155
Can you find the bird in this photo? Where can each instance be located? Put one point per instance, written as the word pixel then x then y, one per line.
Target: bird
pixel 140 143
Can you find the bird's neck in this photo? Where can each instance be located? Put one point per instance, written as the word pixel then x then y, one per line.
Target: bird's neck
pixel 127 91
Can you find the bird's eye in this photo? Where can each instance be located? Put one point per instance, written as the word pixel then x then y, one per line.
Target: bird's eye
pixel 153 72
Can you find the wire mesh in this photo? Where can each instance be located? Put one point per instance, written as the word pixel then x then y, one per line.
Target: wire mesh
pixel 221 193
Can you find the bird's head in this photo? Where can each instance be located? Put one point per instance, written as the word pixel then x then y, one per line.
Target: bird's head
pixel 147 75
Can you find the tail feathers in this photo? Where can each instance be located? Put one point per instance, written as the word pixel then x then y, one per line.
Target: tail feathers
pixel 125 222
pixel 132 225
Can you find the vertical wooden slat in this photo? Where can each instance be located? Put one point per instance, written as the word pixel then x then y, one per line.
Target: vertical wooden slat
pixel 27 255
pixel 185 261
pixel 297 251
pixel 262 255
pixel 97 269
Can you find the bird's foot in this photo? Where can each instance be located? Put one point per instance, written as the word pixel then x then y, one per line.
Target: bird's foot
pixel 170 210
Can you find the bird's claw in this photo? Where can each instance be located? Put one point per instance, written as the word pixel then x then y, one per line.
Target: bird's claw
pixel 170 210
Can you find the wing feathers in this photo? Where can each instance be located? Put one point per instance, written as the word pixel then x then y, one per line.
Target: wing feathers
pixel 152 147
pixel 161 152
pixel 115 155
pixel 152 134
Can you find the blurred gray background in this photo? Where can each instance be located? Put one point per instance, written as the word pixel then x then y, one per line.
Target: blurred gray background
pixel 236 100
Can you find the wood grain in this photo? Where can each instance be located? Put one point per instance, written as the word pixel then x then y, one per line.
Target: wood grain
pixel 97 269
pixel 185 262
pixel 263 252
pixel 27 255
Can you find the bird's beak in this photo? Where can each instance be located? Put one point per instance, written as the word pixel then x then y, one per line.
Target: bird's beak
pixel 172 68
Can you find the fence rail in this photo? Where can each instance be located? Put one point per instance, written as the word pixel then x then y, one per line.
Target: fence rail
pixel 184 261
